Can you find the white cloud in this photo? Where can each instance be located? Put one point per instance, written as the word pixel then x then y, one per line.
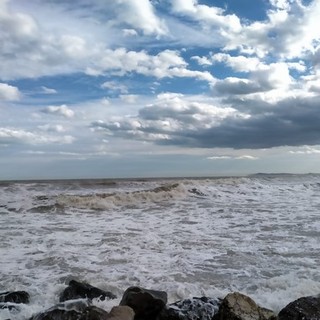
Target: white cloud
pixel 20 136
pixel 52 128
pixel 129 98
pixel 9 93
pixel 140 14
pixel 62 110
pixel 184 6
pixel 280 4
pixel 167 63
pixel 238 63
pixel 46 90
pixel 311 82
pixel 226 157
pixel 290 31
pixel 261 76
pixel 202 61
pixel 114 86
pixel 33 48
pixel 129 32
pixel 208 16
pixel 306 150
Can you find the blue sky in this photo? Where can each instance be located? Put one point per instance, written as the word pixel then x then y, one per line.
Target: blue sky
pixel 142 88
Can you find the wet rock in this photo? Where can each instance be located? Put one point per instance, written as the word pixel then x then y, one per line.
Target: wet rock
pixel 237 306
pixel 197 192
pixel 94 313
pixel 147 304
pixel 58 314
pixel 15 297
pixel 192 309
pixel 121 313
pixel 76 290
pixel 73 310
pixel 69 310
pixel 305 308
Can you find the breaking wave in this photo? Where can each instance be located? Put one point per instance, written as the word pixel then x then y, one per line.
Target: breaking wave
pixel 102 201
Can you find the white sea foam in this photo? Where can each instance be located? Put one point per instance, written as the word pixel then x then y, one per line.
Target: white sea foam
pixel 190 237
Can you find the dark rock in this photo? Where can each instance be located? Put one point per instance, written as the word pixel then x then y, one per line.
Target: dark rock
pixel 192 309
pixel 146 304
pixel 69 310
pixel 76 290
pixel 73 310
pixel 94 313
pixel 15 297
pixel 58 314
pixel 237 306
pixel 197 192
pixel 305 308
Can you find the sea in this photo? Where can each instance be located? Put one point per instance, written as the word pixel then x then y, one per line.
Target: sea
pixel 191 237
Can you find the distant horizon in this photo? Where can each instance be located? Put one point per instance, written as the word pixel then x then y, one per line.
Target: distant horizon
pixel 106 179
pixel 158 88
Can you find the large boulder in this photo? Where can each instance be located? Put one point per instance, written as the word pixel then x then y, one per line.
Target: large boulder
pixel 192 309
pixel 237 306
pixel 94 313
pixel 73 310
pixel 305 308
pixel 15 297
pixel 121 313
pixel 146 304
pixel 78 290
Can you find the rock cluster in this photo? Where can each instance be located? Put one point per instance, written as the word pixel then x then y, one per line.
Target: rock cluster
pixel 143 304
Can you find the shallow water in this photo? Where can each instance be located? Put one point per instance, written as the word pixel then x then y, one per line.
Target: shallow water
pixel 190 237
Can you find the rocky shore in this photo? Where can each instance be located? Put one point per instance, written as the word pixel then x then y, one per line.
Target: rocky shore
pixel 144 304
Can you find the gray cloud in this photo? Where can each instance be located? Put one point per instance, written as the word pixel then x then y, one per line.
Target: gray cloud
pixel 292 122
pixel 235 86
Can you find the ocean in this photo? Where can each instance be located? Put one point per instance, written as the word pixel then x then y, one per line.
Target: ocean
pixel 259 235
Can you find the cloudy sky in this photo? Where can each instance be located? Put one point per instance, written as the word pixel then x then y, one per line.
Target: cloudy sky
pixel 143 88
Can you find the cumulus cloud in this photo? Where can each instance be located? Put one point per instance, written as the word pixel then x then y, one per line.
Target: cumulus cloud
pixel 289 31
pixel 312 82
pixel 167 63
pixel 177 120
pixel 62 110
pixel 32 50
pixel 140 15
pixel 261 76
pixel 202 61
pixel 209 16
pixel 170 119
pixel 9 93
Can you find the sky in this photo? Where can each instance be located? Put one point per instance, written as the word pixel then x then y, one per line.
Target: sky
pixel 158 88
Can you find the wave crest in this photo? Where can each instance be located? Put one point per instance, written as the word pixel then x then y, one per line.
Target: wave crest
pixel 101 201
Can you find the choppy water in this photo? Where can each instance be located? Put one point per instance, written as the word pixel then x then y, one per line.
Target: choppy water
pixel 190 237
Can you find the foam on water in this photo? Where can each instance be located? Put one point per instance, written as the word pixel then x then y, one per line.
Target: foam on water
pixel 258 235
